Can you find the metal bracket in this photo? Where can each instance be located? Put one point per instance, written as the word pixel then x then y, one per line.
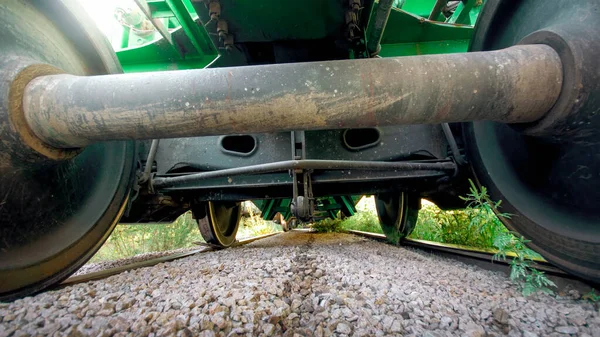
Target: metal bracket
pixel 302 206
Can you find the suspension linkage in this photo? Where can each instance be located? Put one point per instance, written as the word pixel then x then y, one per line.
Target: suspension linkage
pixel 307 164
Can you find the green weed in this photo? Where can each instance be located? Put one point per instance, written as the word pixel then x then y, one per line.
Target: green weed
pixel 254 225
pixel 592 296
pixel 130 240
pixel 529 279
pixel 365 221
pixel 478 226
pixel 475 226
pixel 327 225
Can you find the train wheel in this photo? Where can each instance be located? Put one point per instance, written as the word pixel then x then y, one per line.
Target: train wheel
pixel 220 222
pixel 398 213
pixel 552 203
pixel 57 206
pixel 549 183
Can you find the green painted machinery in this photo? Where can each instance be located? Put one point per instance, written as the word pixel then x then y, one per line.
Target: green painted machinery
pixel 300 106
pixel 176 34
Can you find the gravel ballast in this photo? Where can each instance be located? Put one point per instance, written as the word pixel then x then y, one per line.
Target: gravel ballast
pixel 301 284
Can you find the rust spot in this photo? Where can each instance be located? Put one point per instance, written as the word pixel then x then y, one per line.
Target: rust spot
pixel 443 112
pixel 229 75
pixel 17 113
pixel 371 111
pixel 371 88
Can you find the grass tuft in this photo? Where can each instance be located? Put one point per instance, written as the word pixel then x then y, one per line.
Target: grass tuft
pixel 254 225
pixel 130 240
pixel 478 226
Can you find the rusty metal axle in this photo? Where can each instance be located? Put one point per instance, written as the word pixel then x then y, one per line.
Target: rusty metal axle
pixel 515 85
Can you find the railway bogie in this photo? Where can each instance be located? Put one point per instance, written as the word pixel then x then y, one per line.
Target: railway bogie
pixel 301 107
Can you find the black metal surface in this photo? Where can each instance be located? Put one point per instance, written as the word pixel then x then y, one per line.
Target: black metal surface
pixel 382 13
pixel 397 213
pixel 70 111
pixel 302 206
pixel 309 164
pixel 183 155
pixel 460 160
pixel 550 183
pixel 149 161
pixel 203 153
pixel 396 143
pixel 54 214
pixel 329 183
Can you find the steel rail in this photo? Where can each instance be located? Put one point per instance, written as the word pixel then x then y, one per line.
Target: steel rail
pixel 479 257
pixel 465 253
pixel 101 274
pixel 483 258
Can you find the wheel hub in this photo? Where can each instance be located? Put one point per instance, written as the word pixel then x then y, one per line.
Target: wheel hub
pixel 547 173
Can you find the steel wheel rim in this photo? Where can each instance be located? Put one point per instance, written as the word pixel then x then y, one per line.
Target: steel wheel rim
pixel 224 219
pixel 535 216
pixel 397 213
pixel 532 176
pixel 86 194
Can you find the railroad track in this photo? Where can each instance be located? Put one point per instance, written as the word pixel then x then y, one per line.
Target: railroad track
pixel 97 275
pixel 484 258
pixel 480 257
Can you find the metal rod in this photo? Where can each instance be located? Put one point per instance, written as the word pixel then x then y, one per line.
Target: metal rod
pixel 157 23
pixel 149 161
pixel 382 13
pixel 453 146
pixel 307 164
pixel 437 9
pixel 514 85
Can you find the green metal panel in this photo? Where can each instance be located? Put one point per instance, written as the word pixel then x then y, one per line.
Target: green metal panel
pixel 410 34
pixel 407 31
pixel 273 206
pixel 418 7
pixel 273 20
pixel 267 212
pixel 192 47
pixel 466 13
pixel 196 35
pixel 328 205
pixel 423 48
pixel 403 27
pixel 346 203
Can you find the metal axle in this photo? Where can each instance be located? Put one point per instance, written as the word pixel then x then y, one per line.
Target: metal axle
pixel 515 85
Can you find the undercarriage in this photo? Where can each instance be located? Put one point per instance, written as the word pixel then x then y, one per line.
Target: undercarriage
pixel 301 107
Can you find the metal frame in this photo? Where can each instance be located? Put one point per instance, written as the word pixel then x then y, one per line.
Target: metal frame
pixel 204 173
